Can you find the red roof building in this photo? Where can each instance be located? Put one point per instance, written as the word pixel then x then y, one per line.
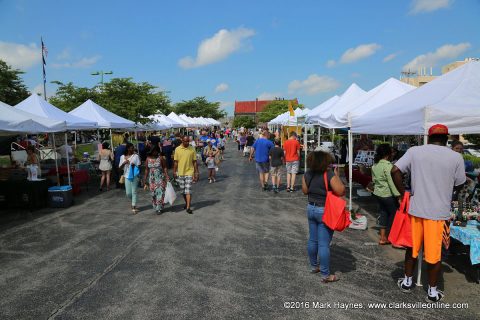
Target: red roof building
pixel 251 108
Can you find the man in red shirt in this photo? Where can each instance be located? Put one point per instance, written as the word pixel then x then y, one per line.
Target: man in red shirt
pixel 292 159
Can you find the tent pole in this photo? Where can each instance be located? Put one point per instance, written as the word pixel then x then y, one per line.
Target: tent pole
pixel 56 159
pixel 75 133
pixel 111 139
pixel 305 141
pixel 350 168
pixel 68 161
pixel 319 135
pixel 136 138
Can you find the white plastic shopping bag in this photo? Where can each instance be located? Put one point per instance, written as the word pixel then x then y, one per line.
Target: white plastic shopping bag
pixel 170 194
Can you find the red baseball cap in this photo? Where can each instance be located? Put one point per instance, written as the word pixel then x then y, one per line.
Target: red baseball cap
pixel 438 129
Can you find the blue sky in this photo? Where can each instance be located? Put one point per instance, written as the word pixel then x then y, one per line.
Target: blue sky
pixel 238 50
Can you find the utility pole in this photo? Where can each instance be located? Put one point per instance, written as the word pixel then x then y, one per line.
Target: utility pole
pixel 101 73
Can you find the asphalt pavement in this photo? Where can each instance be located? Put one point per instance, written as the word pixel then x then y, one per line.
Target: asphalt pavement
pixel 242 254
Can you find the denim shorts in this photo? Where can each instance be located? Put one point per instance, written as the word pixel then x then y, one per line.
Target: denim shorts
pixel 262 167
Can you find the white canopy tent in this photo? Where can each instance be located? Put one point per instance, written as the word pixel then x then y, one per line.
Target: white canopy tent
pixel 381 94
pixel 213 121
pixel 327 117
pixel 191 122
pixel 452 99
pixel 173 116
pixel 36 105
pixel 321 108
pixel 18 121
pixel 166 121
pixel 286 119
pixel 39 107
pixel 105 119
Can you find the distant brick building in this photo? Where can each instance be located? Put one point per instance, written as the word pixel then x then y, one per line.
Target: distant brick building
pixel 252 108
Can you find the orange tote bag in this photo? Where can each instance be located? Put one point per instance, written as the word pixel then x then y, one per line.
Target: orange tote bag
pixel 401 231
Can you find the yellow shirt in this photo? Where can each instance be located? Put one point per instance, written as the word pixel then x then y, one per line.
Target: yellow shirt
pixel 185 157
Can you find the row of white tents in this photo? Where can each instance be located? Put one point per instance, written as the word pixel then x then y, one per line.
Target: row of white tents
pixel 396 108
pixel 35 115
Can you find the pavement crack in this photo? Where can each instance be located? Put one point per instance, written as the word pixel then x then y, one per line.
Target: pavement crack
pixel 119 258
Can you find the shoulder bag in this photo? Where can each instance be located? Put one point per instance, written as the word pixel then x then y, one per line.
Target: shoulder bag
pixel 335 216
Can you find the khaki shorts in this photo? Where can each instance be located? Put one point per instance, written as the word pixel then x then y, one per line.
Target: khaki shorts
pixel 276 171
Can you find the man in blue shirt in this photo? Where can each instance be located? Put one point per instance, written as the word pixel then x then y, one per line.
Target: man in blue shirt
pixel 261 150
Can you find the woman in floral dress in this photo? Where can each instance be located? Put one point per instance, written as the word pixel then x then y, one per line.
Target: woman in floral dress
pixel 156 177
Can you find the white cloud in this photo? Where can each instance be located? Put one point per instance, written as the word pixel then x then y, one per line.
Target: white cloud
pixel 269 95
pixel 219 47
pixel 19 55
pixel 430 59
pixel 64 55
pixel 390 57
pixel 82 63
pixel 222 87
pixel 313 85
pixel 331 63
pixel 226 104
pixel 422 6
pixel 355 75
pixel 361 52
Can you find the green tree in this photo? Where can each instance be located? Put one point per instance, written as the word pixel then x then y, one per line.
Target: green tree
pixel 122 96
pixel 12 88
pixel 275 108
pixel 134 101
pixel 69 96
pixel 472 138
pixel 244 121
pixel 272 110
pixel 200 107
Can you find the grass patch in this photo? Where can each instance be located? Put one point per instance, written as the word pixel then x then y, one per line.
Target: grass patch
pixel 4 161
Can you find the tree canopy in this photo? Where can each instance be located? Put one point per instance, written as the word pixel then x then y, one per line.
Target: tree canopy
pixel 274 109
pixel 12 88
pixel 69 96
pixel 200 107
pixel 134 101
pixel 122 96
pixel 244 121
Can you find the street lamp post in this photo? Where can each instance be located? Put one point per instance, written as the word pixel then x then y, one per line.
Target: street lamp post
pixel 101 73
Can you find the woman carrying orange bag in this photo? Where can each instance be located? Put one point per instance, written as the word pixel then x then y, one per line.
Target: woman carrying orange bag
pixel 320 237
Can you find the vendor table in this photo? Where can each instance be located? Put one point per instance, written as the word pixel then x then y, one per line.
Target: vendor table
pixel 79 177
pixel 23 193
pixel 469 236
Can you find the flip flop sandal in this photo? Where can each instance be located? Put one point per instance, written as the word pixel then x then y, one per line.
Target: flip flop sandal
pixel 330 278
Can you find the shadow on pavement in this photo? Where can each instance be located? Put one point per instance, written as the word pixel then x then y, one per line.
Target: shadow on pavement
pixel 203 204
pixel 342 260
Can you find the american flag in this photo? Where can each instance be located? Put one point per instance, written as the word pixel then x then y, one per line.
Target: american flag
pixel 44 52
pixel 44 55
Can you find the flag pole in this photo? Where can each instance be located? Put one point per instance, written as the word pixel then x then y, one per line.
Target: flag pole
pixel 43 66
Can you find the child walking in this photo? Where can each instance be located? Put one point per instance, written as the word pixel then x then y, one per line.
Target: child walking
pixel 211 165
pixel 277 159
